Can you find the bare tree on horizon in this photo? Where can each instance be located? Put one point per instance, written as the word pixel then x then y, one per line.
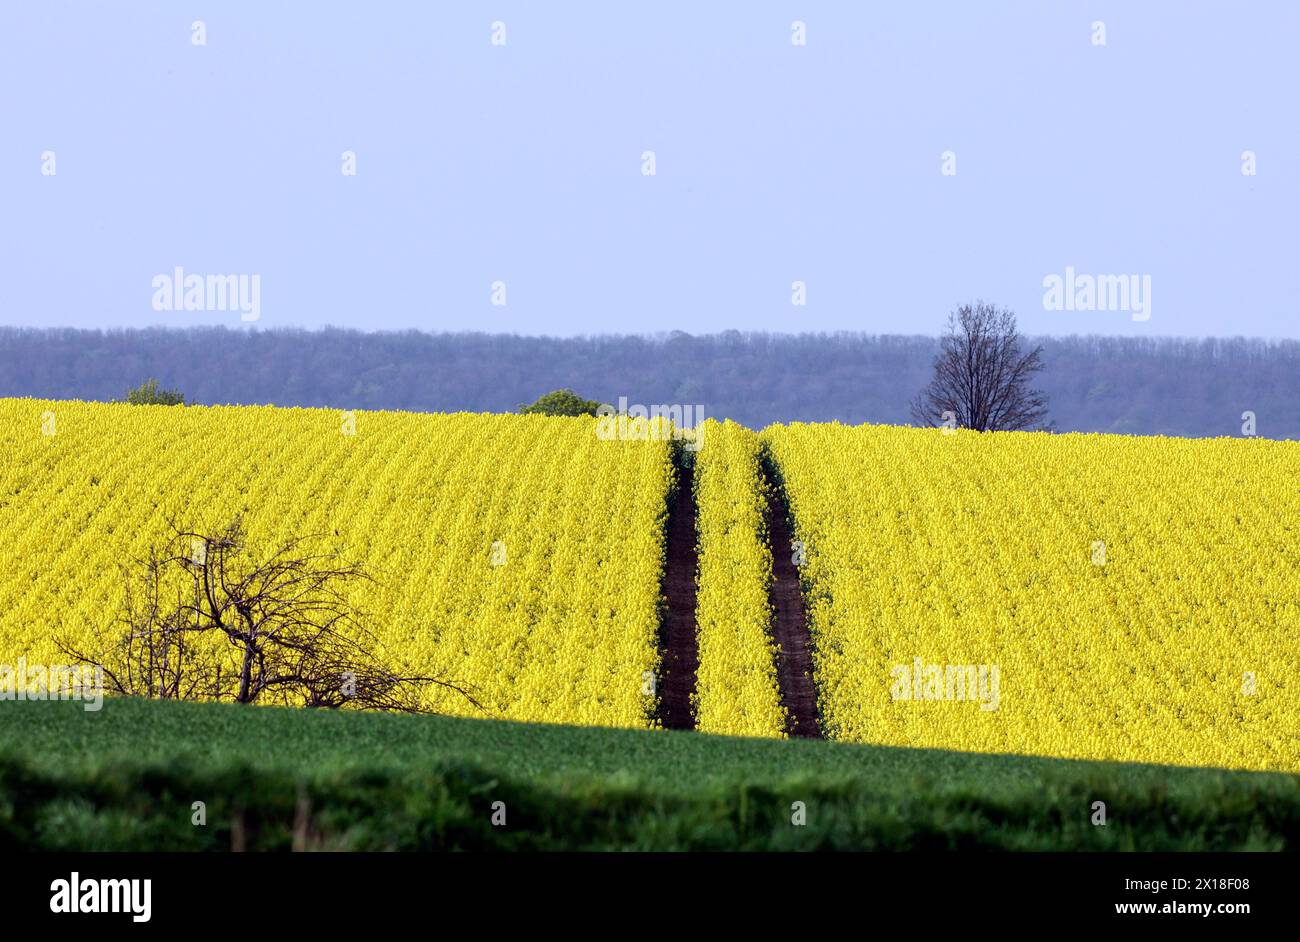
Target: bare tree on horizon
pixel 981 379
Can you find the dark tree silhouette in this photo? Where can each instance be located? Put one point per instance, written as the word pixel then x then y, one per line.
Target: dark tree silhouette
pixel 981 379
pixel 204 619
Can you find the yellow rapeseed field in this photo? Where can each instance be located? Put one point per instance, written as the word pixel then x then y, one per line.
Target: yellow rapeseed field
pixel 1087 596
pixel 519 554
pixel 1091 596
pixel 736 685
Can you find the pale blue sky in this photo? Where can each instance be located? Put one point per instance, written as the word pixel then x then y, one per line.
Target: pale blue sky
pixel 775 163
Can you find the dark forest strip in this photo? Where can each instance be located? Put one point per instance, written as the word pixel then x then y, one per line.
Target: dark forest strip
pixel 790 626
pixel 679 647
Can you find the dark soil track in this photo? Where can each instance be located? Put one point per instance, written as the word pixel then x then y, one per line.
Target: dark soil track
pixel 790 627
pixel 679 647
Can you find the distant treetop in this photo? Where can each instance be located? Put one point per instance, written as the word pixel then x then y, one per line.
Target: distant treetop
pixel 148 394
pixel 561 402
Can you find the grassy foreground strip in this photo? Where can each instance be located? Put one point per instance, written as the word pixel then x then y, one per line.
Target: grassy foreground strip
pixel 272 779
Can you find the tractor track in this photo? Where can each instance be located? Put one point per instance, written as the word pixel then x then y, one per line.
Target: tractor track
pixel 679 650
pixel 794 668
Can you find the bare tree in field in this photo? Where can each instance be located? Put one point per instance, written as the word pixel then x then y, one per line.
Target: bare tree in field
pixel 981 379
pixel 204 620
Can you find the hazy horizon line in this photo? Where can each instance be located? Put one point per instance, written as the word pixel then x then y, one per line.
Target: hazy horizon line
pixel 654 336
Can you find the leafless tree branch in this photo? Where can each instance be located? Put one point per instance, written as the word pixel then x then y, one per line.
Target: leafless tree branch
pixel 291 635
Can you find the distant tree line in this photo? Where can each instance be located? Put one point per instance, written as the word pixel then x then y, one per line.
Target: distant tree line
pixel 1132 385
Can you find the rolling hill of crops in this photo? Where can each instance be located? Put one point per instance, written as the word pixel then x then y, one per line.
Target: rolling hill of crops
pixel 1089 596
pixel 1081 596
pixel 487 538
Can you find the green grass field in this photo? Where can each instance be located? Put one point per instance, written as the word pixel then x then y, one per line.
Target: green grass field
pixel 127 777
